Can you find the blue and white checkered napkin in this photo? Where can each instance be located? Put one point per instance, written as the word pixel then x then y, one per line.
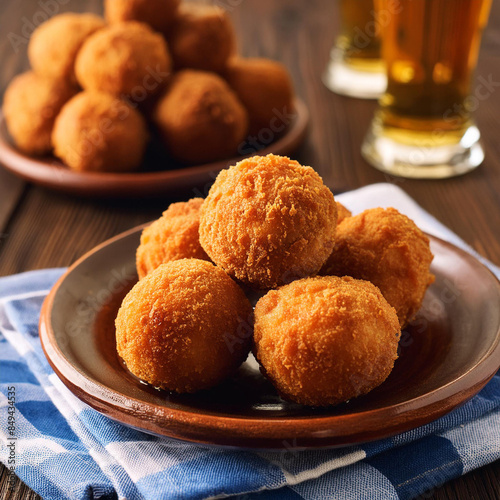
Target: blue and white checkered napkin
pixel 64 449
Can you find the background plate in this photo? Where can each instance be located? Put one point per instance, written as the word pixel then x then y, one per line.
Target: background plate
pixel 447 355
pixel 51 173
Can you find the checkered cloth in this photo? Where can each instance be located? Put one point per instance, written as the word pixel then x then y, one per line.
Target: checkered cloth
pixel 64 449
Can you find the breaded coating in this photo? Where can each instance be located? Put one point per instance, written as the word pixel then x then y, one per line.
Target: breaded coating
pixel 200 118
pixel 173 236
pixel 202 37
pixel 265 89
pixel 325 340
pixel 268 220
pixel 98 132
pixel 184 327
pixel 54 45
pixel 159 14
pixel 388 249
pixel 342 212
pixel 124 59
pixel 31 105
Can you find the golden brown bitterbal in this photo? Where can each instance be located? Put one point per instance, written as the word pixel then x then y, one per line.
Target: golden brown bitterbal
pixel 184 327
pixel 55 44
pixel 127 60
pixel 97 132
pixel 200 118
pixel 387 248
pixel 173 236
pixel 268 220
pixel 322 341
pixel 31 105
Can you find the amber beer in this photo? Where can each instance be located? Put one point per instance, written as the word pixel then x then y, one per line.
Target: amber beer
pixel 355 66
pixel 359 36
pixel 430 49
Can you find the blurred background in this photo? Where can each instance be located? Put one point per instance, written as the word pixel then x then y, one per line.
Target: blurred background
pixel 299 33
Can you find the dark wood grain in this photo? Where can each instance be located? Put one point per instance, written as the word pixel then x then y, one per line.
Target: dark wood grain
pixel 11 188
pixel 39 228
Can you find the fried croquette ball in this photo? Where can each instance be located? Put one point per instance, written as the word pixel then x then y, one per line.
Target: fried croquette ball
pixel 268 220
pixel 200 118
pixel 388 249
pixel 31 105
pixel 202 37
pixel 98 132
pixel 54 45
pixel 173 236
pixel 124 59
pixel 184 327
pixel 342 212
pixel 264 87
pixel 159 14
pixel 324 340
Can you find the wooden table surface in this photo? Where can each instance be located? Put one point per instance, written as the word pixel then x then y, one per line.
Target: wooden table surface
pixel 40 228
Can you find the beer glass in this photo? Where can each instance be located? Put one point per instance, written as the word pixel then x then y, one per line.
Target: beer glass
pixel 355 67
pixel 423 127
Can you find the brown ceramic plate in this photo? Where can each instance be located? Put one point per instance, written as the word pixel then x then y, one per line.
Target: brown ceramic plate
pixel 150 181
pixel 447 355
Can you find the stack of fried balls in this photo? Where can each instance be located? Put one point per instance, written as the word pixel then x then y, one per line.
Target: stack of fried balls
pixel 100 89
pixel 335 289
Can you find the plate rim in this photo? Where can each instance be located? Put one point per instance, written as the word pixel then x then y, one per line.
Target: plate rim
pixel 261 433
pixel 135 184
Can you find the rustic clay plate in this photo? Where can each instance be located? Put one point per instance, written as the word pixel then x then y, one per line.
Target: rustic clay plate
pixel 447 355
pixel 153 179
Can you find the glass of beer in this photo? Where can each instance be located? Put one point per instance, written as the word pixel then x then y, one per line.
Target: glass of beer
pixel 423 127
pixel 355 67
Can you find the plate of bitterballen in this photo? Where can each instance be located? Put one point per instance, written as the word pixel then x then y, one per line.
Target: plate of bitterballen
pixel 152 97
pixel 268 316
